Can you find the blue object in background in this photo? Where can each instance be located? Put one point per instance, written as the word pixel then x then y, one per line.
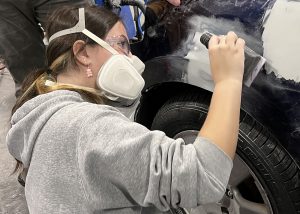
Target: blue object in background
pixel 126 17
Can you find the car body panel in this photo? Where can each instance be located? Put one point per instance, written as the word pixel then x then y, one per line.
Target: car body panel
pixel 272 100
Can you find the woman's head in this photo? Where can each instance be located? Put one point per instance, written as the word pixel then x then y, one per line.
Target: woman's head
pixel 69 56
pixel 76 51
pixel 119 77
pixel 81 41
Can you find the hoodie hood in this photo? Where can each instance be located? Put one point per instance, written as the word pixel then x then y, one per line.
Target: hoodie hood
pixel 28 121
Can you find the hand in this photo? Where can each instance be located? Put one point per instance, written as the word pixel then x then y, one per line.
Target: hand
pixel 174 2
pixel 226 55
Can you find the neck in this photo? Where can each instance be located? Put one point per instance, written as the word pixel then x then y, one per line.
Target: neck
pixel 76 78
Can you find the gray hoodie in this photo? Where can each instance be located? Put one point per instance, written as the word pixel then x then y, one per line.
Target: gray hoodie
pixel 88 158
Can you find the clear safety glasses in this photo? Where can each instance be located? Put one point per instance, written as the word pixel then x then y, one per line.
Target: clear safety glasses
pixel 119 43
pixel 114 44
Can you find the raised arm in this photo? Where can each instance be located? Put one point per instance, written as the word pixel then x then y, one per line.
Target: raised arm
pixel 227 65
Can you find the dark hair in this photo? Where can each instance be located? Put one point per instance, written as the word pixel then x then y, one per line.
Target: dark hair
pixel 97 20
pixel 60 56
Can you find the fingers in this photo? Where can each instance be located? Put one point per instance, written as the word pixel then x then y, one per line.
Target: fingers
pixel 240 43
pixel 214 40
pixel 231 39
pixel 226 54
pixel 222 40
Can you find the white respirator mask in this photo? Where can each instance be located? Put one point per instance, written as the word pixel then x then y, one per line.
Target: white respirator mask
pixel 120 76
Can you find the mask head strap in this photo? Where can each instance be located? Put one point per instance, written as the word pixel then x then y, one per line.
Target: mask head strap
pixel 80 28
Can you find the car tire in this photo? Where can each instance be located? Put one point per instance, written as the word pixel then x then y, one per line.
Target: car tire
pixel 270 164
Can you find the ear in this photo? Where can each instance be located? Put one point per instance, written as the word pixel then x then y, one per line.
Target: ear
pixel 80 53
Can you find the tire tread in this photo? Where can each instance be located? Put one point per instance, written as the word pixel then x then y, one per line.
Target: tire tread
pixel 266 154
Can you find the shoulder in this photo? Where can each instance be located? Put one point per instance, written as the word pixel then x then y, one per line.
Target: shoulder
pixel 92 119
pixel 71 104
pixel 92 111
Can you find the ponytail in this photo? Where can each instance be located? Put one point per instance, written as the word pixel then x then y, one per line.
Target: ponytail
pixel 28 89
pixel 40 82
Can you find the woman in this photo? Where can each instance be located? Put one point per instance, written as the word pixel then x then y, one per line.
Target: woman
pixel 84 156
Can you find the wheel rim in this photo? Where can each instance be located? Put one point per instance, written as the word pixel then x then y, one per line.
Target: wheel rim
pixel 234 201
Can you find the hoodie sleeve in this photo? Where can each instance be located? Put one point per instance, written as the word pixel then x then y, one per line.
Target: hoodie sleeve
pixel 122 161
